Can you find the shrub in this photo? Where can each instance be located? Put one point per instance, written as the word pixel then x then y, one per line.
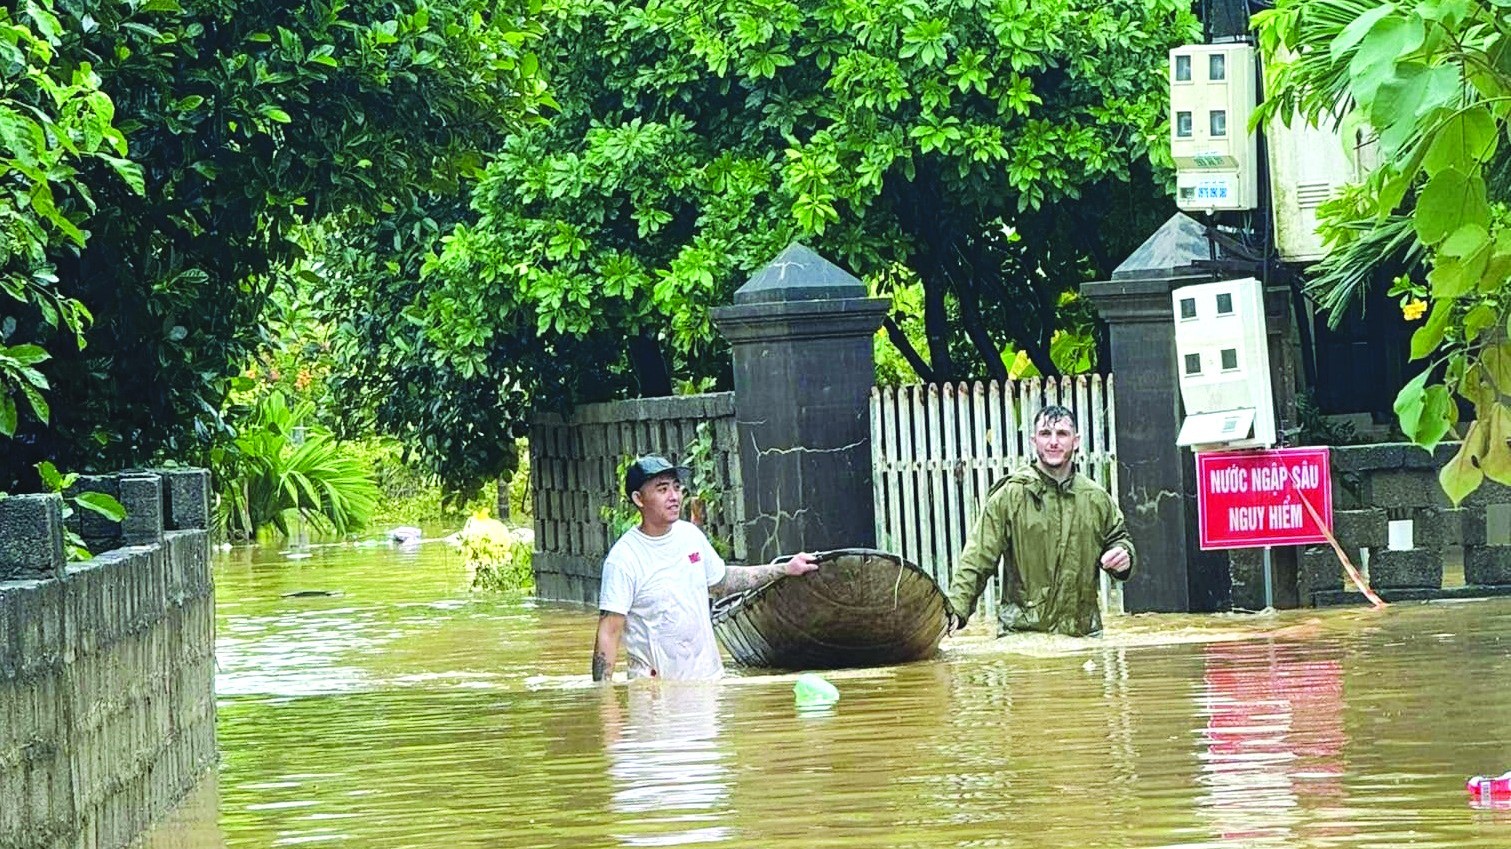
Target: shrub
pixel 268 470
pixel 498 557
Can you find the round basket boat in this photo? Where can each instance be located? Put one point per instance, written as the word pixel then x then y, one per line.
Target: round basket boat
pixel 861 607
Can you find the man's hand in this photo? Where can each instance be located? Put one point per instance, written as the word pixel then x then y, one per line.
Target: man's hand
pixel 1115 560
pixel 953 623
pixel 800 564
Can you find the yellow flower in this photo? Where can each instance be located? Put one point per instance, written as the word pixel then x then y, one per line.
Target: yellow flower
pixel 1413 309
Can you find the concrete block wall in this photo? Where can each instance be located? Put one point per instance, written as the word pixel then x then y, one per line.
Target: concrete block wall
pixel 574 468
pixel 107 666
pixel 1374 485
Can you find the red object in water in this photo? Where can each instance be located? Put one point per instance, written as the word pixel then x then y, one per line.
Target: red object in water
pixel 1498 788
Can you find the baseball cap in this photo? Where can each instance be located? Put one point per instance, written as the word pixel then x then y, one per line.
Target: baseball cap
pixel 649 466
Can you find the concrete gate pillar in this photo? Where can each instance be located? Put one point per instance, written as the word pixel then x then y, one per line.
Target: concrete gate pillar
pixel 1157 479
pixel 801 329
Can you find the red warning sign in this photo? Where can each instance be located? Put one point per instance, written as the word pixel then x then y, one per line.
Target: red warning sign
pixel 1247 499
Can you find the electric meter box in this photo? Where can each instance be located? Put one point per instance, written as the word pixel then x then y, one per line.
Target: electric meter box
pixel 1212 97
pixel 1309 165
pixel 1223 361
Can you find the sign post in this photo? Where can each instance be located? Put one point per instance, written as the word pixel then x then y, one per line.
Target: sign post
pixel 1252 499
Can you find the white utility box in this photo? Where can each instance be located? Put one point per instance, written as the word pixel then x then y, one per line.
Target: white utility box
pixel 1308 166
pixel 1223 359
pixel 1212 97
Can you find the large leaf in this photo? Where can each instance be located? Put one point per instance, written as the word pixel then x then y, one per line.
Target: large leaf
pixel 1355 31
pixel 1480 318
pixel 1373 64
pixel 1409 402
pixel 1461 475
pixel 1497 365
pixel 1427 337
pixel 1475 386
pixel 7 415
pixel 1496 461
pixel 1413 89
pixel 1450 200
pixel 1463 140
pixel 1461 262
pixel 101 503
pixel 1439 414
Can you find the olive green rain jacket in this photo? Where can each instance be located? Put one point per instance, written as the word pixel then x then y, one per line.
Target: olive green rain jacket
pixel 1050 536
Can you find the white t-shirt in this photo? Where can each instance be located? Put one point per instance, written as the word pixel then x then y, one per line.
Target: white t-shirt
pixel 661 584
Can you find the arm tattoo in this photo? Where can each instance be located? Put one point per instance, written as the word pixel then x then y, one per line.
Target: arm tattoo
pixel 738 579
pixel 603 664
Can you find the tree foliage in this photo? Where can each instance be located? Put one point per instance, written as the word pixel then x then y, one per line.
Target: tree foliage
pixel 249 120
pixel 696 139
pixel 1432 81
pixel 53 119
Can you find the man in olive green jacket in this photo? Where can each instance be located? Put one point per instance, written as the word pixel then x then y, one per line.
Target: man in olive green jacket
pixel 1054 529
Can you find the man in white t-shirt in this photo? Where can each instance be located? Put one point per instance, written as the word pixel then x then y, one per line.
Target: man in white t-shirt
pixel 656 582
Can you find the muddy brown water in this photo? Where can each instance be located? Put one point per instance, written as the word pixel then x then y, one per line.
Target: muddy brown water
pixel 407 712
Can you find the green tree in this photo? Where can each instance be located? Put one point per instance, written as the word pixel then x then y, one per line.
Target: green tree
pixel 53 120
pixel 1432 82
pixel 695 139
pixel 282 461
pixel 250 120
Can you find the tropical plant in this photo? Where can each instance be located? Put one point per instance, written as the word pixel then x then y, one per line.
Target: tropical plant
pixel 282 462
pixel 1431 80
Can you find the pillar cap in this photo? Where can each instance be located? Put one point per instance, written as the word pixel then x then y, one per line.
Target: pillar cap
pixel 799 274
pixel 792 320
pixel 1170 251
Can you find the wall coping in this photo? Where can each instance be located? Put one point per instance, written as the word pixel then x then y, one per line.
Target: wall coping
pixel 706 405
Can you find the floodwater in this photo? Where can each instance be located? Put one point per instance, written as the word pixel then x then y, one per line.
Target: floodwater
pixel 407 712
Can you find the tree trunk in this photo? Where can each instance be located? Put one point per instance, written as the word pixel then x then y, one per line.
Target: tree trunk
pixel 900 341
pixel 1038 354
pixel 650 367
pixel 970 315
pixel 936 324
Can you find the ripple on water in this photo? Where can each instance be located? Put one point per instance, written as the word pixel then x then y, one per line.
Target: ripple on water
pixel 409 713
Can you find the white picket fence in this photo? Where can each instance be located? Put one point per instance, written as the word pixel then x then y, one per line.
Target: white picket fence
pixel 937 449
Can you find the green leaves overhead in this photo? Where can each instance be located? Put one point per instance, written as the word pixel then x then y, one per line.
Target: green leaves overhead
pixel 197 139
pixel 1431 81
pixel 697 138
pixel 55 123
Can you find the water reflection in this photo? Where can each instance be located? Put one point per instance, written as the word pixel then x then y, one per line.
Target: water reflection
pixel 410 713
pixel 1274 740
pixel 670 773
